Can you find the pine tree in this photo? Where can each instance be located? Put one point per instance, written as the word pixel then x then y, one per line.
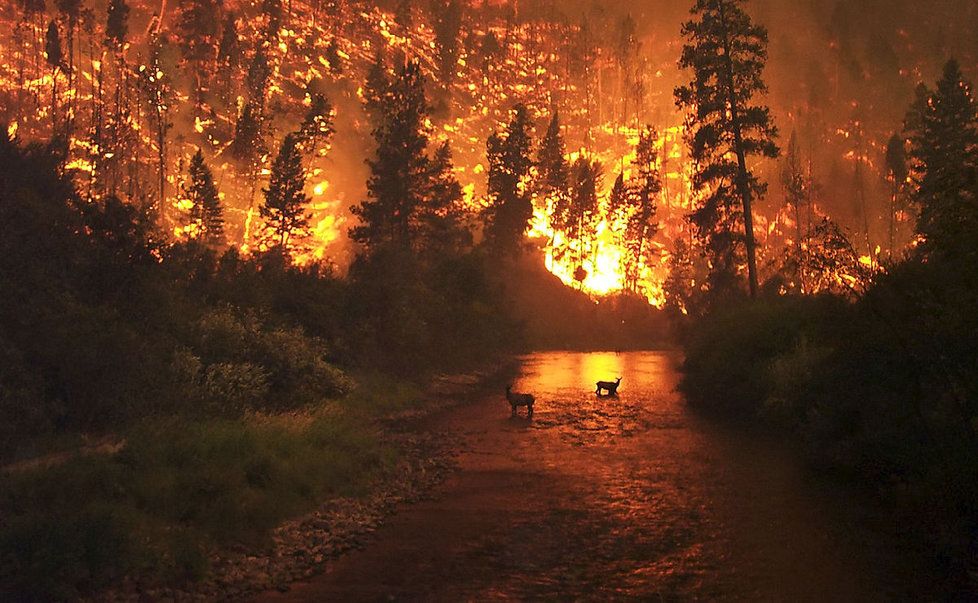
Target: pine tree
pixel 795 187
pixel 641 202
pixel 944 158
pixel 726 53
pixel 554 174
pixel 116 23
pixel 510 207
pixel 248 143
pixel 448 26
pixel 400 169
pixel 897 172
pixel 199 24
pixel 376 90
pixel 206 212
pixel 229 48
pixel 156 85
pixel 317 126
pixel 334 58
pixel 441 217
pixel 259 72
pixel 403 15
pixel 678 286
pixel 55 60
pixel 284 210
pixel 583 208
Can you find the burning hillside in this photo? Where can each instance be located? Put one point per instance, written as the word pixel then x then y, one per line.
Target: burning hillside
pixel 134 89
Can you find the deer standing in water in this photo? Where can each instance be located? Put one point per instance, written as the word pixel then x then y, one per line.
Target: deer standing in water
pixel 609 386
pixel 518 400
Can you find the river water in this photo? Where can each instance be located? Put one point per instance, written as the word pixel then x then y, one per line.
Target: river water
pixel 627 498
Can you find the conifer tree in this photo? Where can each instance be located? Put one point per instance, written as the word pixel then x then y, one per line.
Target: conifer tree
pixel 284 210
pixel 334 58
pixel 726 126
pixel 678 286
pixel 897 172
pixel 400 169
pixel 944 157
pixel 376 89
pixel 55 60
pixel 229 48
pixel 510 206
pixel 554 174
pixel 259 72
pixel 583 207
pixel 207 213
pixel 641 201
pixel 448 26
pixel 317 126
pixel 795 187
pixel 116 23
pixel 198 25
pixel 441 217
pixel 248 143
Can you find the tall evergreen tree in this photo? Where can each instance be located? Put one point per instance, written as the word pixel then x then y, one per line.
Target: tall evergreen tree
pixel 259 72
pixel 583 208
pixel 206 211
pixel 317 126
pixel 642 201
pixel 726 53
pixel 400 169
pixel 795 186
pixel 117 23
pixel 55 60
pixel 554 174
pixel 199 25
pixel 229 48
pixel 441 216
pixel 248 143
pixel 448 27
pixel 897 172
pixel 510 204
pixel 944 157
pixel 284 210
pixel 376 89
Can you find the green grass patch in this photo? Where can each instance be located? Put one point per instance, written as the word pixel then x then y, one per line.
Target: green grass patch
pixel 176 490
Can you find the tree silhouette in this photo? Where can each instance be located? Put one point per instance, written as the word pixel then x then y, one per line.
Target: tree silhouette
pixel 510 207
pixel 317 126
pixel 117 23
pixel 897 172
pixel 284 210
pixel 448 25
pixel 400 169
pixel 55 60
pixel 554 174
pixel 726 53
pixel 944 142
pixel 206 211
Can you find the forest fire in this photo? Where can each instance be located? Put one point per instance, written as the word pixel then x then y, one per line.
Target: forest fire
pixel 274 269
pixel 135 108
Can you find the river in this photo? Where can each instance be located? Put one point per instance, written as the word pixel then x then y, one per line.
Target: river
pixel 634 497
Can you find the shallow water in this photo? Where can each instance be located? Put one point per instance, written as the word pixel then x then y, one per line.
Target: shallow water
pixel 632 497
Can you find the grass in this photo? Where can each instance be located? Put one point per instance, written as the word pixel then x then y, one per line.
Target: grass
pixel 174 492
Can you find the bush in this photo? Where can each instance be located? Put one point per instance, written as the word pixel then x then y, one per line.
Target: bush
pixel 731 353
pixel 176 490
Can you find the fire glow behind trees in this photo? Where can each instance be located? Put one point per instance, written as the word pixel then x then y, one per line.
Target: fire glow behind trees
pixel 235 78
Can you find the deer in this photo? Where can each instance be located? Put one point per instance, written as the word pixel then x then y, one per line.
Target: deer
pixel 518 400
pixel 609 386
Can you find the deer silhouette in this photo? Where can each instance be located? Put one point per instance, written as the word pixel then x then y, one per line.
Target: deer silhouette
pixel 518 400
pixel 608 386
